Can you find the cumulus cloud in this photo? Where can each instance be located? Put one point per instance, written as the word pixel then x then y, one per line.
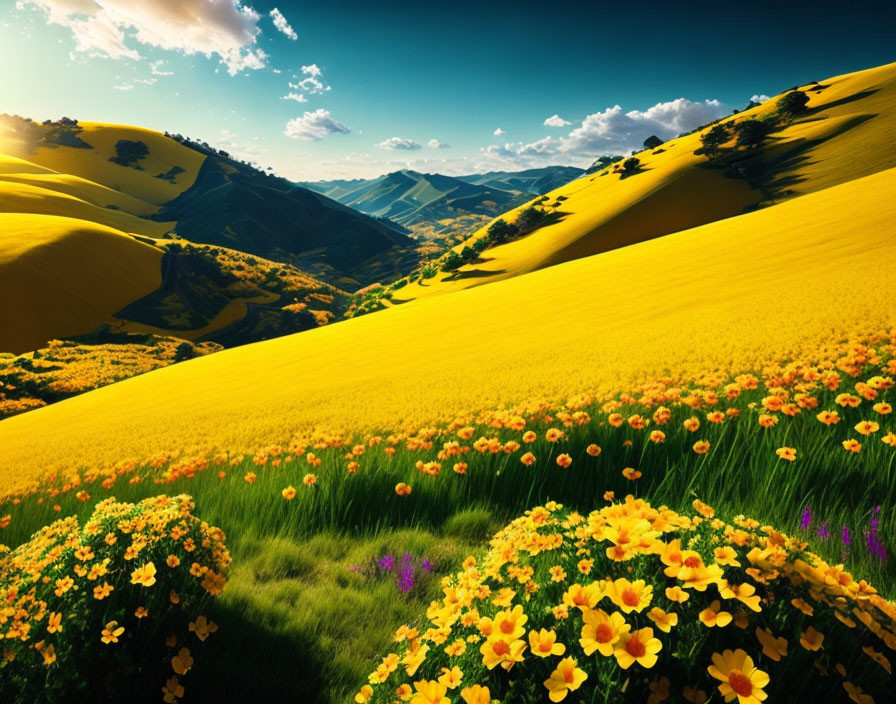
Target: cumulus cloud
pixel 612 131
pixel 104 28
pixel 556 121
pixel 436 144
pixel 281 24
pixel 313 126
pixel 313 84
pixel 498 132
pixel 399 143
pixel 759 98
pixel 312 70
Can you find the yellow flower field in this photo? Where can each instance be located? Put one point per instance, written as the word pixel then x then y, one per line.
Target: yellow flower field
pixel 682 306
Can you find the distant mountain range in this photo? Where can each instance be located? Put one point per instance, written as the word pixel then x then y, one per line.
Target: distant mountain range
pixel 433 205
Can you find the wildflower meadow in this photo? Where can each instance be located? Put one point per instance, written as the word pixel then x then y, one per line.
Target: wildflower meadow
pixel 339 543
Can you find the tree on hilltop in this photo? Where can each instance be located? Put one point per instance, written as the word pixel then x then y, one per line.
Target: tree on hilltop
pixel 652 142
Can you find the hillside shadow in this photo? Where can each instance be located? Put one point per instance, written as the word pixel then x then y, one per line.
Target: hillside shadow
pixel 843 101
pixel 548 219
pixel 774 175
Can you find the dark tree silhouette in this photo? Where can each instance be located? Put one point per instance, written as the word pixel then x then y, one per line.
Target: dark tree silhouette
pixel 793 103
pixel 129 152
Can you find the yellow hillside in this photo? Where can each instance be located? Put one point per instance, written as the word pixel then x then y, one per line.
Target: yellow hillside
pixel 13 169
pixel 723 295
pixel 48 197
pixel 94 165
pixel 849 132
pixel 60 276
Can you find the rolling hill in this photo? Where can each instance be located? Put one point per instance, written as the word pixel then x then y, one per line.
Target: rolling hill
pixel 45 261
pixel 848 131
pixel 434 205
pixel 70 168
pixel 63 277
pixel 692 302
pixel 88 243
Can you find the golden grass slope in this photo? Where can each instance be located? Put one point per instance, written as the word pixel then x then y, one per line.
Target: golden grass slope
pixel 60 276
pixel 94 165
pixel 49 198
pixel 849 132
pixel 722 296
pixel 17 170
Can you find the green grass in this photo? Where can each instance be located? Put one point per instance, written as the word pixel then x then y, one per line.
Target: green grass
pixel 296 622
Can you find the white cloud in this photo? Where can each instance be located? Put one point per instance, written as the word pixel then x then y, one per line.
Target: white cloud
pixel 313 83
pixel 123 86
pixel 556 121
pixel 759 98
pixel 498 132
pixel 298 97
pixel 399 143
pixel 281 24
pixel 223 28
pixel 313 126
pixel 156 68
pixel 436 144
pixel 611 131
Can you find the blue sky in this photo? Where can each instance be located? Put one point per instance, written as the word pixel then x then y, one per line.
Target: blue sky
pixel 380 86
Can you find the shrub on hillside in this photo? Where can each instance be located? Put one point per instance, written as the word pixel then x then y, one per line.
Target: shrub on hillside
pixel 501 231
pixel 652 142
pixel 171 174
pixel 714 138
pixel 91 611
pixel 129 152
pixel 793 104
pixel 631 165
pixel 634 603
pixel 529 219
pixel 750 133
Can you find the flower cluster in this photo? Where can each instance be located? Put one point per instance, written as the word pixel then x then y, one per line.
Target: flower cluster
pixel 636 603
pixel 407 571
pixel 80 602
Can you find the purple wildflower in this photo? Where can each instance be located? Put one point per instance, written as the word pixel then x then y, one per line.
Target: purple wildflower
pixel 874 543
pixel 426 565
pixel 386 562
pixel 844 536
pixel 823 531
pixel 807 519
pixel 405 577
